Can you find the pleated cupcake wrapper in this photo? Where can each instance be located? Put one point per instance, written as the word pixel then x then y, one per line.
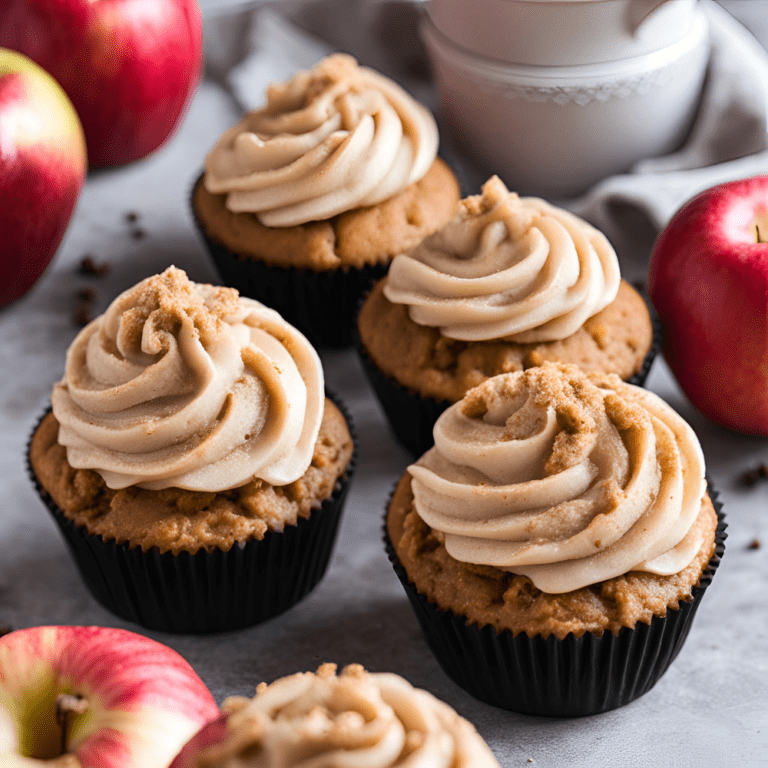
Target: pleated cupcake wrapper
pixel 572 677
pixel 412 416
pixel 207 591
pixel 322 305
pixel 639 378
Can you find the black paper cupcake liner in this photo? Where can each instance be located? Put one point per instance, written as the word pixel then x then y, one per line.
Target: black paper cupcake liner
pixel 572 677
pixel 207 591
pixel 322 305
pixel 639 378
pixel 412 416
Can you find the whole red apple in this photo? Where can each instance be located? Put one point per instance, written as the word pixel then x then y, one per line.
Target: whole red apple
pixel 42 167
pixel 129 66
pixel 709 283
pixel 100 697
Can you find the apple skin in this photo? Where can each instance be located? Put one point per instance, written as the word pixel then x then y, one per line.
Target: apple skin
pixel 708 281
pixel 129 66
pixel 145 700
pixel 42 168
pixel 211 733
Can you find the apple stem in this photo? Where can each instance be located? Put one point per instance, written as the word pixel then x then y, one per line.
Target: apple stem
pixel 759 239
pixel 67 703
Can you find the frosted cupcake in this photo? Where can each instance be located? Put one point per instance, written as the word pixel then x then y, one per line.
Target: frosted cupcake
pixel 557 540
pixel 355 719
pixel 191 458
pixel 308 199
pixel 508 284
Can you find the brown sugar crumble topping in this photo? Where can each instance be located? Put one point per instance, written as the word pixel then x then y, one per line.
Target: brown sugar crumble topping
pixel 165 298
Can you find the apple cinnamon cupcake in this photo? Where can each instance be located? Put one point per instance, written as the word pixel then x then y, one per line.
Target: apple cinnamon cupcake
pixel 355 719
pixel 308 199
pixel 191 458
pixel 557 540
pixel 508 284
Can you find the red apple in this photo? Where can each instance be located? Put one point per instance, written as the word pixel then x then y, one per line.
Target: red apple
pixel 42 167
pixel 709 283
pixel 212 733
pixel 129 66
pixel 108 697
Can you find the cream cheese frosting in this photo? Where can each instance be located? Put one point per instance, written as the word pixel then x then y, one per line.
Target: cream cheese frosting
pixel 331 139
pixel 507 267
pixel 565 478
pixel 355 719
pixel 187 385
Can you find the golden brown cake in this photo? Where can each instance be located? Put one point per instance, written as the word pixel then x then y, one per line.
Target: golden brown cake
pixel 489 595
pixel 176 520
pixel 419 357
pixel 353 239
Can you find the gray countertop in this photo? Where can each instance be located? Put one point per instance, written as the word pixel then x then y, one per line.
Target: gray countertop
pixel 710 709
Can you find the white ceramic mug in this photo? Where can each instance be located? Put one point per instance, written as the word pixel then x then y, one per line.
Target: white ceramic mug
pixel 555 131
pixel 562 32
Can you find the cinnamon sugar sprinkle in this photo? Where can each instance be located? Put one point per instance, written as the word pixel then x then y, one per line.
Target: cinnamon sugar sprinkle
pixel 170 296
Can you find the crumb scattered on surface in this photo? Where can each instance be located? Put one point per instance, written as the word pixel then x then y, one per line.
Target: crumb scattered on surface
pixel 83 313
pixel 131 217
pixel 751 476
pixel 138 233
pixel 87 294
pixel 754 544
pixel 89 266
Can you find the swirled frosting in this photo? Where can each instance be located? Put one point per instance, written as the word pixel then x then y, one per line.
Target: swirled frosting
pixel 352 720
pixel 565 478
pixel 331 139
pixel 186 385
pixel 506 267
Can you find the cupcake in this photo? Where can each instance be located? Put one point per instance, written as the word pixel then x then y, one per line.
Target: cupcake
pixel 508 284
pixel 191 458
pixel 308 199
pixel 355 719
pixel 556 541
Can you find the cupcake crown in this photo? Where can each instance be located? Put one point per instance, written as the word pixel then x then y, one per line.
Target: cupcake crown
pixel 190 386
pixel 507 267
pixel 331 139
pixel 355 719
pixel 565 478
